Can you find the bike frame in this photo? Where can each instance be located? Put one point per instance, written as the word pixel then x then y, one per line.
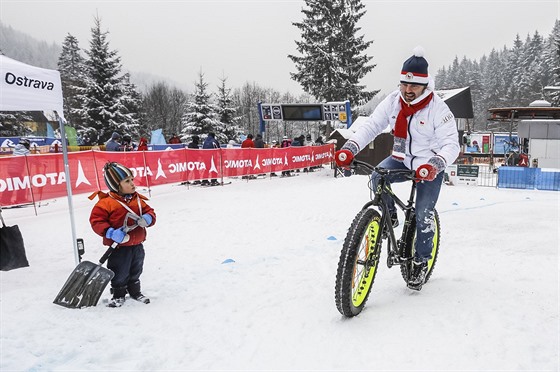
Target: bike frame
pixel 393 245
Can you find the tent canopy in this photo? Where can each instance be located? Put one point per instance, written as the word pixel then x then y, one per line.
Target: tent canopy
pixel 459 102
pixel 29 88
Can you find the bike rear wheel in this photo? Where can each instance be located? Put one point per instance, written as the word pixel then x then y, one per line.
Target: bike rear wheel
pixel 358 262
pixel 409 248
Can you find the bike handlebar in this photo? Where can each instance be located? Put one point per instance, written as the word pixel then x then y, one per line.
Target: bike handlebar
pixel 408 173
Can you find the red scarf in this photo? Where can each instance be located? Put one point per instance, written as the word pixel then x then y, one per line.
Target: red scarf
pixel 407 110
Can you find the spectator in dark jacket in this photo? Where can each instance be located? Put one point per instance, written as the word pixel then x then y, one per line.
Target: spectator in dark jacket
pixel 286 142
pixel 211 143
pixel 194 142
pixel 259 143
pixel 113 144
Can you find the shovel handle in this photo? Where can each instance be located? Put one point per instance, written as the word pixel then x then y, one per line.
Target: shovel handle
pixel 108 253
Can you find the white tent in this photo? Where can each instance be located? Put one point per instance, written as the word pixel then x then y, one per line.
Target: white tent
pixel 29 88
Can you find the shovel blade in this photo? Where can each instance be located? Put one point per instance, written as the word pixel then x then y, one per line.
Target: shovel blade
pixel 84 286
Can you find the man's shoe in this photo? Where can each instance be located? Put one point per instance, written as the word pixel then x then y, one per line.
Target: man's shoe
pixel 418 275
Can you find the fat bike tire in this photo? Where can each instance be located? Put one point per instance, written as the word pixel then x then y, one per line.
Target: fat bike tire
pixel 409 250
pixel 358 262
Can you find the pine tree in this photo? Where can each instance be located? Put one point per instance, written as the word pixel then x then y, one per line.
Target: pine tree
pixel 494 82
pixel 531 85
pixel 332 61
pixel 513 70
pixel 72 68
pixel 106 96
pixel 228 121
pixel 201 117
pixel 441 78
pixel 552 59
pixel 12 123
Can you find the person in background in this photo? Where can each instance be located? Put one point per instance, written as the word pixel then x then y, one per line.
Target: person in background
pixel 425 140
pixel 109 219
pixel 143 144
pixel 248 142
pixel 127 144
pixel 259 142
pixel 319 141
pixel 298 142
pixel 195 142
pixel 231 144
pixel 174 139
pixel 286 142
pixel 211 143
pixel 22 148
pixel 113 144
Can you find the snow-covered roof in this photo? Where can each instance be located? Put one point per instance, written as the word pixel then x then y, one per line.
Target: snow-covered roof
pixel 446 94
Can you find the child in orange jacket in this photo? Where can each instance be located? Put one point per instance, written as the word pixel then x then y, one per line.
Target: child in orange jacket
pixel 121 217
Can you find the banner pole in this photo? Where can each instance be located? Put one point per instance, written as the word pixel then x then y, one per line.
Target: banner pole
pixel 68 187
pixel 146 173
pixel 30 184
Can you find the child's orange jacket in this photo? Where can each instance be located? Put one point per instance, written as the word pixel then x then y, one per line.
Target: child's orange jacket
pixel 108 212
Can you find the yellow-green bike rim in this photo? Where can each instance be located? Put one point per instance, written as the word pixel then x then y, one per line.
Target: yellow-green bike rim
pixel 361 282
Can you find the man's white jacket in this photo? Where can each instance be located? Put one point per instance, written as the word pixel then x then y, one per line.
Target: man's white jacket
pixel 432 130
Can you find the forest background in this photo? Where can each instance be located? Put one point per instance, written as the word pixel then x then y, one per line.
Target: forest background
pixel 507 76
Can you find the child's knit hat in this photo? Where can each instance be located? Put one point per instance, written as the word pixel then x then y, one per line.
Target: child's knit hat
pixel 114 173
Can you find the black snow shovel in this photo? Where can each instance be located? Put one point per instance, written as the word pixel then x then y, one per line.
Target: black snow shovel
pixel 88 280
pixel 86 283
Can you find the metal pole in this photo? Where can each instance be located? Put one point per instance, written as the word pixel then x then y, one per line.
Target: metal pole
pixel 68 187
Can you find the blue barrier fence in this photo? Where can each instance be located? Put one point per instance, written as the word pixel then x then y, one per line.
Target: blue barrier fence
pixel 528 178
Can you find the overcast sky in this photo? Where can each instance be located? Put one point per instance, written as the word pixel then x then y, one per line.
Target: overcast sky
pixel 250 40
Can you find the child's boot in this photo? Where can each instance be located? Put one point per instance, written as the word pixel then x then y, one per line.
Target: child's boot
pixel 119 294
pixel 135 293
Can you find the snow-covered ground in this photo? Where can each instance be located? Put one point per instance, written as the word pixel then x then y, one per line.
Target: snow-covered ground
pixel 491 304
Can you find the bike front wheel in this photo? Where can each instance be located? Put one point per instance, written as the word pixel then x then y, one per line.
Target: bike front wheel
pixel 358 262
pixel 409 250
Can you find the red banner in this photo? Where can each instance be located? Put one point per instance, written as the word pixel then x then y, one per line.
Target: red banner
pixel 32 178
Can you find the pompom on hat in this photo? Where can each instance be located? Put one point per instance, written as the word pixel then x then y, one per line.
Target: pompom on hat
pixel 114 173
pixel 415 69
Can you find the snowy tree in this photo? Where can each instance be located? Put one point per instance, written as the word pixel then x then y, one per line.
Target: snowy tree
pixel 12 123
pixel 552 60
pixel 332 62
pixel 163 107
pixel 494 82
pixel 228 119
pixel 513 70
pixel 106 97
pixel 131 101
pixel 72 68
pixel 441 78
pixel 201 115
pixel 246 99
pixel 532 69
